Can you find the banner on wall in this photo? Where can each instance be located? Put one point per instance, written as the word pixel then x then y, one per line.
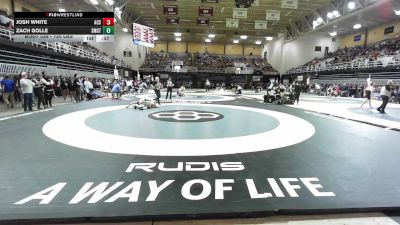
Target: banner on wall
pixel 170 10
pixel 389 30
pixel 232 23
pixel 239 13
pixel 357 38
pixel 203 21
pixel 273 15
pixel 290 4
pixel 257 78
pixel 260 25
pixel 173 20
pixel 205 11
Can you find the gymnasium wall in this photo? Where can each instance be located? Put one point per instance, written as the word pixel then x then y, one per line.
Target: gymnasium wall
pixel 286 55
pixel 6 6
pixel 159 47
pixel 19 5
pixel 216 48
pixel 273 51
pixel 213 48
pixel 373 35
pixel 196 47
pixel 122 42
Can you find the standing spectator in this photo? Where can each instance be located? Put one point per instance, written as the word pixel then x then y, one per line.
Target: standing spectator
pixel 48 90
pixel 64 88
pixel 169 88
pixel 17 89
pixel 38 90
pixel 157 87
pixel 8 91
pixel 71 88
pixel 297 91
pixel 88 89
pixel 207 85
pixel 27 88
pixel 385 94
pixel 77 87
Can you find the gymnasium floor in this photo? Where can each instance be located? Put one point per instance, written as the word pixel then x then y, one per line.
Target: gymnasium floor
pixel 213 155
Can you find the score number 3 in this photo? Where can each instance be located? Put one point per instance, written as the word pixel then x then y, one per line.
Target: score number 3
pixel 108 21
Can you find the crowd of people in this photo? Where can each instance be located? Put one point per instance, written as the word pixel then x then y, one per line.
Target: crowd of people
pixel 40 89
pixel 209 61
pixel 206 61
pixel 381 53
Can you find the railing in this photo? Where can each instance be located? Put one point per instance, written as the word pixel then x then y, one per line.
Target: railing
pixel 345 66
pixel 67 49
pixel 13 69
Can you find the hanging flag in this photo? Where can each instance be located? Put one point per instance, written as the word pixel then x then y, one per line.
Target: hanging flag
pixel 170 10
pixel 203 21
pixel 205 11
pixel 232 23
pixel 260 25
pixel 172 20
pixel 273 15
pixel 290 4
pixel 240 13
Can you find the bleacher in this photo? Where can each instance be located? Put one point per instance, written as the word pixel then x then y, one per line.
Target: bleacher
pixel 208 63
pixel 382 55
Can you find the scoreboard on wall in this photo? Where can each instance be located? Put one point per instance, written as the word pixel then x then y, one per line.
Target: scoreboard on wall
pixel 143 35
pixel 64 26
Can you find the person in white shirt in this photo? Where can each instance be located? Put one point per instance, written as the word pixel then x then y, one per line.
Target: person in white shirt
pixel 367 94
pixel 385 95
pixel 208 84
pixel 170 85
pixel 88 88
pixel 181 91
pixel 27 89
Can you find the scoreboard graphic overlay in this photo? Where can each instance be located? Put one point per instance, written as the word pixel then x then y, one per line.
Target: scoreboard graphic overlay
pixel 64 26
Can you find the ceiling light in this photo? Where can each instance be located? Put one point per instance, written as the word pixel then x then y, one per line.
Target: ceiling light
pixel 61 10
pixel 235 41
pixel 335 13
pixel 357 26
pixel 155 38
pixel 320 20
pixel 258 42
pixel 178 34
pixel 178 39
pixel 397 12
pixel 208 40
pixel 351 5
pixel 330 15
pixel 94 2
pixel 244 37
pixel 125 29
pixel 333 34
pixel 211 35
pixel 110 2
pixel 116 8
pixel 269 38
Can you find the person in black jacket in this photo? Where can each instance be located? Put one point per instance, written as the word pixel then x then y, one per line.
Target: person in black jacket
pixel 297 91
